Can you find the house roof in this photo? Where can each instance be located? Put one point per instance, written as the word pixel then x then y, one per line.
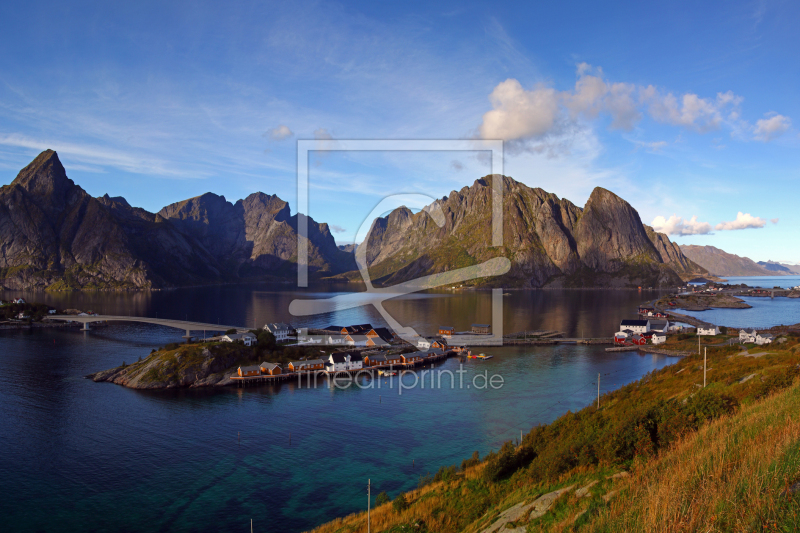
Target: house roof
pixel 334 328
pixel 377 341
pixel 433 351
pixel 358 328
pixel 634 322
pixel 481 325
pixel 307 362
pixel 447 327
pixel 250 368
pixel 240 336
pixel 357 338
pixel 658 323
pixel 269 366
pixel 766 336
pixel 338 357
pixel 278 326
pixel 383 333
pixel 376 357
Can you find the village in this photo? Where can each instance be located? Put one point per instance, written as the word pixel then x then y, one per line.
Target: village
pixel 364 348
pixel 654 325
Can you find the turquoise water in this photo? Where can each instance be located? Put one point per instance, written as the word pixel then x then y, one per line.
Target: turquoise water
pixel 84 456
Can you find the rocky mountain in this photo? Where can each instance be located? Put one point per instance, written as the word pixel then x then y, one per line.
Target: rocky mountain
pixel 780 268
pixel 722 263
pixel 257 236
pixel 550 241
pixel 54 235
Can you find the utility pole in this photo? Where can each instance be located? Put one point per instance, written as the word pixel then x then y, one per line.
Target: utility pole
pixel 369 502
pixel 705 358
pixel 598 390
pixel 698 340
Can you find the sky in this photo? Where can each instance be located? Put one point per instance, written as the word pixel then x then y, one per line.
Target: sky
pixel 687 110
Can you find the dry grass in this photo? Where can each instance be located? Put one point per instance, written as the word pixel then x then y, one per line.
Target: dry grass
pixel 729 476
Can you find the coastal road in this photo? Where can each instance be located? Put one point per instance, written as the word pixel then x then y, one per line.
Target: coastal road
pixel 177 324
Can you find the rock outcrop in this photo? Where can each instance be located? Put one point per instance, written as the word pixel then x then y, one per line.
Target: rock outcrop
pixel 184 366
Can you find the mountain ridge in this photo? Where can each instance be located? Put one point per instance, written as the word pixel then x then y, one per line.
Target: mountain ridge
pixel 57 237
pixel 550 241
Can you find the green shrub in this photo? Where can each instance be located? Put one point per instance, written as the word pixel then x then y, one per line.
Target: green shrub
pixel 231 331
pixel 472 461
pixel 773 383
pixel 382 498
pixel 708 404
pixel 400 503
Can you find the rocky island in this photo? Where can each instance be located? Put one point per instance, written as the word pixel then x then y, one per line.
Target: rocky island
pixel 703 302
pixel 203 364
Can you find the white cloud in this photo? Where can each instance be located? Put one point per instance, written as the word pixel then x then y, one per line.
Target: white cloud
pixel 772 127
pixel 336 228
pixel 519 114
pixel 743 221
pixel 279 132
pixel 457 165
pixel 774 220
pixel 675 225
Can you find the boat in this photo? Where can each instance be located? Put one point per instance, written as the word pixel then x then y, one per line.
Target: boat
pixel 484 357
pixel 387 373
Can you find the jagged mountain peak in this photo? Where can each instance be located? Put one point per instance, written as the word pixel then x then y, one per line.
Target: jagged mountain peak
pixel 45 176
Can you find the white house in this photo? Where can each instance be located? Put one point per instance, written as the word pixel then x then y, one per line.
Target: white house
pixel 423 343
pixel 747 336
pixel 280 330
pixel 658 338
pixel 675 328
pixel 341 361
pixel 247 338
pixel 708 330
pixel 636 326
pixel 764 338
pixel 19 301
pixel 22 315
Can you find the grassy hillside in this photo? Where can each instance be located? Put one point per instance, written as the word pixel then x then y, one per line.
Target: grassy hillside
pixel 660 454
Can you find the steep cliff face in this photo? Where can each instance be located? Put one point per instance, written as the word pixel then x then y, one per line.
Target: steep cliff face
pixel 256 236
pixel 550 241
pixel 54 235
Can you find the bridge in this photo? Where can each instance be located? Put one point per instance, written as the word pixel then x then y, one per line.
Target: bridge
pixel 178 324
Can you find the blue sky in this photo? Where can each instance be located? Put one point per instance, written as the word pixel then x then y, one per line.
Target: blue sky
pixel 684 110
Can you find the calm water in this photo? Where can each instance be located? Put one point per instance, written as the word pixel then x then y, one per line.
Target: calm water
pixel 84 456
pixel 765 313
pixel 767 282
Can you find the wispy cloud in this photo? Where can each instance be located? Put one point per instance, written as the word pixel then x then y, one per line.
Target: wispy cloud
pixel 279 133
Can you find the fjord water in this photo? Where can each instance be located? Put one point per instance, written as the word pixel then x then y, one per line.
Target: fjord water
pixel 84 456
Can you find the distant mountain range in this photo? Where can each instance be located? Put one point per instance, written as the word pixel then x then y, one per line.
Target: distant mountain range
pixel 721 263
pixel 56 236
